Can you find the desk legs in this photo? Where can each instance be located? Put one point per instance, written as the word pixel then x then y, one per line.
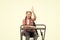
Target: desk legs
pixel 42 34
pixel 20 34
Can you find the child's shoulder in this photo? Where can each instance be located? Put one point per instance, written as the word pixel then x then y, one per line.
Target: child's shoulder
pixel 23 19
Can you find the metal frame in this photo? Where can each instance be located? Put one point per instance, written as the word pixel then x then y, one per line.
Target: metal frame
pixel 43 36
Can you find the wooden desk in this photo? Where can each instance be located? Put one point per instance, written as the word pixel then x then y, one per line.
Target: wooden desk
pixel 43 36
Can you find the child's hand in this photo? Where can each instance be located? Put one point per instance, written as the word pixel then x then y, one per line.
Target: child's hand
pixel 32 26
pixel 32 9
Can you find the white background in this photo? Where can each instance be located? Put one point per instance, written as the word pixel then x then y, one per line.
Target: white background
pixel 12 12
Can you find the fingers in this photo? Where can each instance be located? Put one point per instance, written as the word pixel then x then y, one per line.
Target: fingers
pixel 32 9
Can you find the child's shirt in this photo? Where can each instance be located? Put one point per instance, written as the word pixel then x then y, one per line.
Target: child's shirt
pixel 28 22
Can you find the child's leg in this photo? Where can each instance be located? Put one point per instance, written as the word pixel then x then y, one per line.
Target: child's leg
pixel 35 36
pixel 27 35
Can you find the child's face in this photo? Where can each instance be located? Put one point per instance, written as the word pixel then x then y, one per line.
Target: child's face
pixel 28 15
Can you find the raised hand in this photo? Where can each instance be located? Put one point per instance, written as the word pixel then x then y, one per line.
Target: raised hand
pixel 33 13
pixel 32 9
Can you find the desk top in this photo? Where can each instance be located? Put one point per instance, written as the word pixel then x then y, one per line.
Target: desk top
pixel 34 28
pixel 39 28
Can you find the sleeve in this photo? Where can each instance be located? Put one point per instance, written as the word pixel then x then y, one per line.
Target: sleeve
pixel 23 22
pixel 33 19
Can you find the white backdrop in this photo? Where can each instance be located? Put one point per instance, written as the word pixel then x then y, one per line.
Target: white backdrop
pixel 12 12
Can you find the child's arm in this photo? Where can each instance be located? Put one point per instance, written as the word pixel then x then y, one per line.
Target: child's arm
pixel 34 15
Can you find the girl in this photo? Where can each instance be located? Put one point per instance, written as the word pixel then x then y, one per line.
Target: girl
pixel 29 22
